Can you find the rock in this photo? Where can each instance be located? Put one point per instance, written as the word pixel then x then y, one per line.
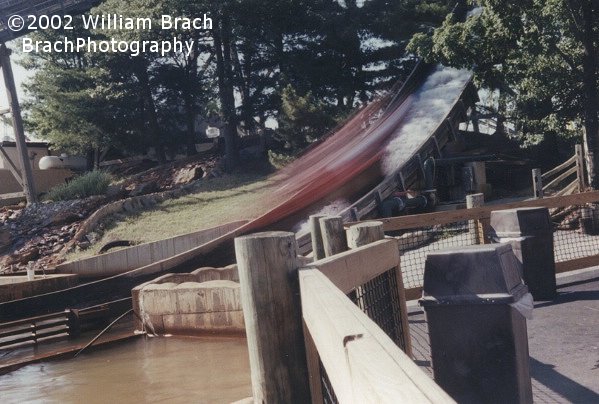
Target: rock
pixel 144 188
pixel 92 237
pixel 83 245
pixel 187 175
pixel 116 192
pixel 63 217
pixel 129 206
pixel 23 257
pixel 5 239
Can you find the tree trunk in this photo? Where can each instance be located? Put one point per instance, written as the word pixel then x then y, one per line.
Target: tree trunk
pixel 189 99
pixel 501 110
pixel 154 129
pixel 222 37
pixel 243 79
pixel 591 105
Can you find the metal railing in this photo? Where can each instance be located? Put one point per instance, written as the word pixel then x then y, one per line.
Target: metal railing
pixel 61 325
pixel 37 329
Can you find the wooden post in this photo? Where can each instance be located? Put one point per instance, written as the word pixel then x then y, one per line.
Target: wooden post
pixel 364 233
pixel 17 124
pixel 468 179
pixel 537 183
pixel 476 227
pixel 580 167
pixel 316 236
pixel 333 235
pixel 269 282
pixel 368 232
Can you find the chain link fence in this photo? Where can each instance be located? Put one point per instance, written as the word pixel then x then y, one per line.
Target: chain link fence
pixel 575 236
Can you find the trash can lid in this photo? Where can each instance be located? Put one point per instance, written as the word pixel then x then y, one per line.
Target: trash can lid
pixel 482 274
pixel 521 222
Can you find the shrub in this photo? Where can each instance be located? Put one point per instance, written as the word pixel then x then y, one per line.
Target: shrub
pixel 93 183
pixel 279 160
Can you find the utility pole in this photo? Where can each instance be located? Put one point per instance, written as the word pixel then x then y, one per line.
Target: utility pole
pixel 17 124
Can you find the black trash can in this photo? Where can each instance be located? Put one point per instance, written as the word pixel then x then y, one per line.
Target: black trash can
pixel 530 232
pixel 479 342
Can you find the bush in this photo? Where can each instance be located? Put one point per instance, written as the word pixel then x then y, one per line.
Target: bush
pixel 279 160
pixel 92 183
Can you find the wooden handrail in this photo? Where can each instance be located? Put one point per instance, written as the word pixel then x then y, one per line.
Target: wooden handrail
pixel 362 362
pixel 354 268
pixel 555 170
pixel 561 177
pixel 483 212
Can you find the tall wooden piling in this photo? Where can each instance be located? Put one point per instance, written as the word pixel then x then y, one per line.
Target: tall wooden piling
pixel 333 235
pixel 268 267
pixel 316 236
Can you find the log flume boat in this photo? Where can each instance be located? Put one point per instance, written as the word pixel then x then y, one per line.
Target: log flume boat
pixel 378 150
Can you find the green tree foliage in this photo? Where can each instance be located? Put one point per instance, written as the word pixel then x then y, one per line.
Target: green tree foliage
pixel 77 102
pixel 539 55
pixel 303 120
pixel 339 53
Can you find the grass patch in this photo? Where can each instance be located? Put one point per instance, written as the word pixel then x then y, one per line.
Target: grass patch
pixel 92 183
pixel 218 201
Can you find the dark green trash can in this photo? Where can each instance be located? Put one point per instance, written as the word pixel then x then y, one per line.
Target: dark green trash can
pixel 479 342
pixel 530 232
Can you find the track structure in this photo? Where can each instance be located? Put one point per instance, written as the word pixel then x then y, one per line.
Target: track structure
pixel 37 8
pixel 311 191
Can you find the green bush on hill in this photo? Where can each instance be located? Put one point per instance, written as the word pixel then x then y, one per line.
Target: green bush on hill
pixel 92 183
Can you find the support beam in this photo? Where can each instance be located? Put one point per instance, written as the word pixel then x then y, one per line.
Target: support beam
pixel 17 124
pixel 11 166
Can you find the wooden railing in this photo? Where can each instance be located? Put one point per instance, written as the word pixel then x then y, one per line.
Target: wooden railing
pixel 362 363
pixel 414 224
pixel 350 343
pixel 549 182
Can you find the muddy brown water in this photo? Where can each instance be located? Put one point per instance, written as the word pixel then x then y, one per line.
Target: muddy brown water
pixel 146 370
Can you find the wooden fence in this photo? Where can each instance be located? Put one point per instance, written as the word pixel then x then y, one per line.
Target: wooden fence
pixel 350 342
pixel 422 233
pixel 570 172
